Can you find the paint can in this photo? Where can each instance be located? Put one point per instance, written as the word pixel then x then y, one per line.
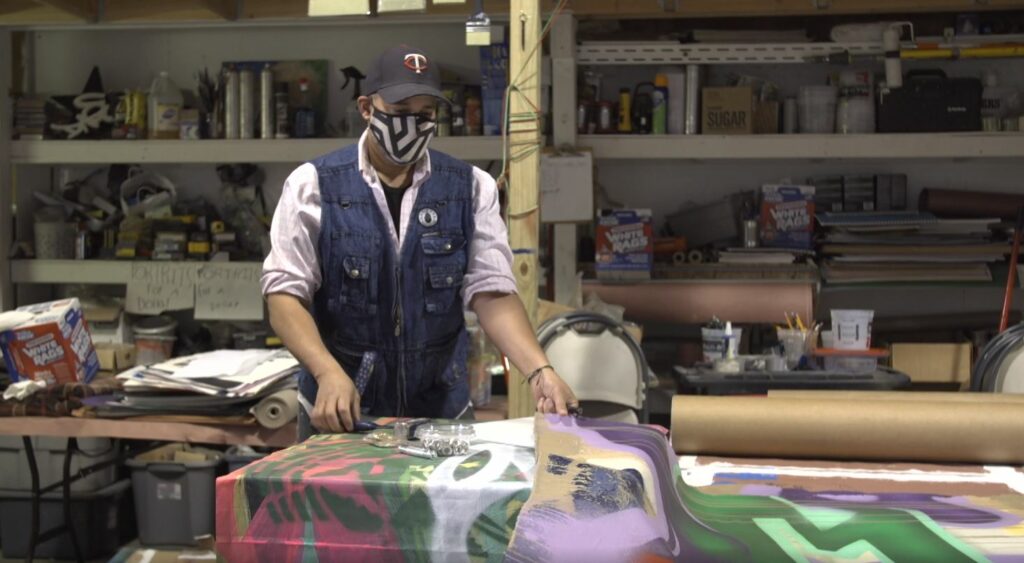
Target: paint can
pixel 693 86
pixel 267 103
pixel 246 104
pixel 231 129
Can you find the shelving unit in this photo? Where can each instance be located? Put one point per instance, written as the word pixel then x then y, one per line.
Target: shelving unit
pixel 219 150
pixel 792 147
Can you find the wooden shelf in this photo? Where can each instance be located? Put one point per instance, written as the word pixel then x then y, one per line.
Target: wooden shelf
pixel 113 272
pixel 148 429
pixel 291 151
pixel 807 147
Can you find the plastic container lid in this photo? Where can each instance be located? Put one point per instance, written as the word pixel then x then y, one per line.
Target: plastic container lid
pixel 660 80
pixel 160 325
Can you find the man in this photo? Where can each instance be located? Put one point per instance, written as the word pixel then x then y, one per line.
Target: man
pixel 373 245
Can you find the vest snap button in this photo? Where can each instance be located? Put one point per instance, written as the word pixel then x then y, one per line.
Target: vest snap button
pixel 449 280
pixel 447 246
pixel 355 273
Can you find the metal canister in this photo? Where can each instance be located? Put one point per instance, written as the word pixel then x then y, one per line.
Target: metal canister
pixel 606 117
pixel 444 120
pixel 750 234
pixel 691 125
pixel 231 95
pixel 246 104
pixel 267 103
pixel 583 121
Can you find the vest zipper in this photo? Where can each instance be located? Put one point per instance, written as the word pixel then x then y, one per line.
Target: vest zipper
pixel 398 334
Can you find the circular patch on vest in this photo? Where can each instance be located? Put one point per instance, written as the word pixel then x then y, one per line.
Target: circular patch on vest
pixel 427 217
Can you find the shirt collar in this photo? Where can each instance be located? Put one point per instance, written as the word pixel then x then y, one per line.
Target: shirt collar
pixel 420 173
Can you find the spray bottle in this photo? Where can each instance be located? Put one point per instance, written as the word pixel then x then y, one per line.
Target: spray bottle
pixel 354 123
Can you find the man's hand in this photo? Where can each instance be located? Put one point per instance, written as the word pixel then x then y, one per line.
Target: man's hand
pixel 552 394
pixel 337 403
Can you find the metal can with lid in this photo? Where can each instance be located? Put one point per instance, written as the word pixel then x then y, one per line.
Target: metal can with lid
pixel 606 117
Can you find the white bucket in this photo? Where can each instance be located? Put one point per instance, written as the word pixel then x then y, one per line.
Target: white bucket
pixel 817 106
pixel 851 328
pixel 54 236
pixel 714 344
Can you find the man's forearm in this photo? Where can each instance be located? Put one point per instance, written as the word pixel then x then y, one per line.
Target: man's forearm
pixel 504 319
pixel 293 323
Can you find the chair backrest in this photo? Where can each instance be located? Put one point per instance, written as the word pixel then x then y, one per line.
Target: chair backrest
pixel 596 358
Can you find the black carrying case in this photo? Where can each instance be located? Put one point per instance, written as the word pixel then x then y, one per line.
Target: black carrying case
pixel 930 102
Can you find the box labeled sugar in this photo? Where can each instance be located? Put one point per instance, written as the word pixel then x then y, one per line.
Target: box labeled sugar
pixel 787 216
pixel 625 244
pixel 48 342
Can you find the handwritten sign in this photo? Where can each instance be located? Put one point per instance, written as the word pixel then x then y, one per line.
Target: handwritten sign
pixel 229 292
pixel 156 287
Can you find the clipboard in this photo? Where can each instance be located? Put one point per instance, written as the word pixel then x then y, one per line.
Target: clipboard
pixel 566 186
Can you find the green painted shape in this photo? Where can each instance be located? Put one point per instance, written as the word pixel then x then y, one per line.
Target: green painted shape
pixel 949 538
pixel 272 512
pixel 309 550
pixel 413 522
pixel 300 506
pixel 349 513
pixel 823 517
pixel 799 549
pixel 314 503
pixel 479 460
pixel 240 504
pixel 490 534
pixel 282 505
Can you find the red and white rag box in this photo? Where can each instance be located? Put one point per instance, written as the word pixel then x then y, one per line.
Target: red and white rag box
pixel 48 342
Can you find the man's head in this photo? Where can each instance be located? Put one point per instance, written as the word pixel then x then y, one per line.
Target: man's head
pixel 403 89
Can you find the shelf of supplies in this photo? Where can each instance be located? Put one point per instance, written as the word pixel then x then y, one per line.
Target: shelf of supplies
pixel 807 147
pixel 113 272
pixel 292 151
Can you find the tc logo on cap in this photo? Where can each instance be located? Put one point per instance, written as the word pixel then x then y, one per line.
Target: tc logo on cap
pixel 416 62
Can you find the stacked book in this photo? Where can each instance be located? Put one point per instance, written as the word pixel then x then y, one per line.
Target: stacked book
pixel 874 247
pixel 30 118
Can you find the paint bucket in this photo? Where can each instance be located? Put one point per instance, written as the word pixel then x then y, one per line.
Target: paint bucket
pixel 817 106
pixel 851 328
pixel 714 342
pixel 154 339
pixel 54 236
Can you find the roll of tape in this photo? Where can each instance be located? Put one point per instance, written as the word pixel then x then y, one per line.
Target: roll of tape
pixel 276 410
pixel 695 257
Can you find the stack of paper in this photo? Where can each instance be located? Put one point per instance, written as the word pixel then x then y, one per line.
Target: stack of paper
pixel 222 382
pixel 908 247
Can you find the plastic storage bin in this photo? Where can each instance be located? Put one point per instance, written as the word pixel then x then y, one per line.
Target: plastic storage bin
pixel 49 453
pixel 174 500
pixel 238 457
pixel 103 521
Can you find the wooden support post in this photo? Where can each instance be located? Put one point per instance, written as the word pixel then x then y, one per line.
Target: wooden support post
pixel 563 111
pixel 524 171
pixel 82 9
pixel 226 9
pixel 6 174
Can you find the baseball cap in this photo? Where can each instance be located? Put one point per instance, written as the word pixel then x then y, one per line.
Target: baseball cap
pixel 403 72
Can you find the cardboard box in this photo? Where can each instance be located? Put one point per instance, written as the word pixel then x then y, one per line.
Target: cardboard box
pixel 115 357
pixel 106 323
pixel 787 216
pixel 766 118
pixel 727 111
pixel 934 363
pixel 48 342
pixel 625 244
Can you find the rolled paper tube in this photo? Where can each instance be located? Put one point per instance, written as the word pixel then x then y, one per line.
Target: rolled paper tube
pixel 276 410
pixel 968 205
pixel 849 428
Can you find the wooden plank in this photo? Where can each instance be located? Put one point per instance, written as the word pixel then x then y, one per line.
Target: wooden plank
pixel 563 112
pixel 274 9
pixel 226 9
pixel 85 10
pixel 131 429
pixel 160 11
pixel 6 173
pixel 524 171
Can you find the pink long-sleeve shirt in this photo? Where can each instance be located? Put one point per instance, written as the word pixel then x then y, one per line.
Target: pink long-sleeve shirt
pixel 293 266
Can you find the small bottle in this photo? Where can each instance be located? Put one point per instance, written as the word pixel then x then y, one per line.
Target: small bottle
pixel 305 116
pixel 281 110
pixel 165 103
pixel 625 112
pixel 659 97
pixel 267 122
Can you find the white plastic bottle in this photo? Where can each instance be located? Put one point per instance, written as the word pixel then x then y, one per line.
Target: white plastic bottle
pixel 998 101
pixel 164 108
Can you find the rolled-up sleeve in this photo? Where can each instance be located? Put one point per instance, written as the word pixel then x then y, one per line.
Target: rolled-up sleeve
pixel 490 258
pixel 293 266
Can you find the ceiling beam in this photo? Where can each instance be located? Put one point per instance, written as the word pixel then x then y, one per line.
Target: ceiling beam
pixel 85 10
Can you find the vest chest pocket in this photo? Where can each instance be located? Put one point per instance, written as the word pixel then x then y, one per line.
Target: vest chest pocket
pixel 358 285
pixel 443 283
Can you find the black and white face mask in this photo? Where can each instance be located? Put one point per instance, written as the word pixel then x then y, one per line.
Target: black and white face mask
pixel 403 136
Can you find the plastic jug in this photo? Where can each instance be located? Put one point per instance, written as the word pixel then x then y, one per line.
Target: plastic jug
pixel 164 108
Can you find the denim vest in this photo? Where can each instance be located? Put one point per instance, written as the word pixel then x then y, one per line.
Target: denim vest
pixel 403 304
